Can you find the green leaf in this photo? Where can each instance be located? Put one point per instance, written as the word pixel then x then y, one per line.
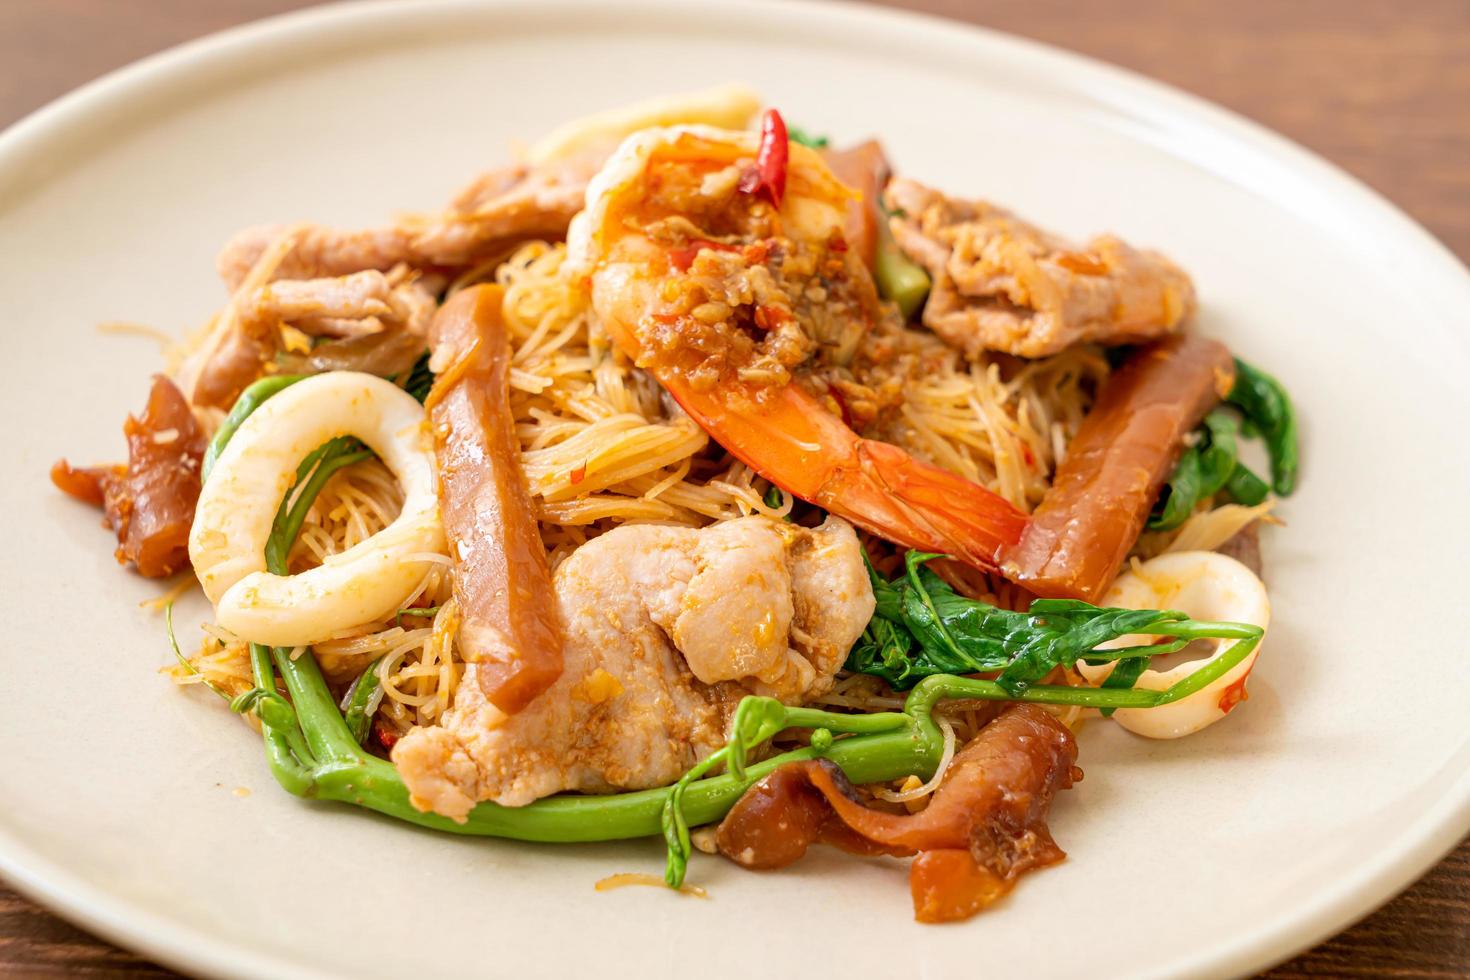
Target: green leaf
pixel 887 595
pixel 1212 464
pixel 1268 410
pixel 1203 469
pixel 883 651
pixel 798 135
pixel 922 627
pixel 1244 487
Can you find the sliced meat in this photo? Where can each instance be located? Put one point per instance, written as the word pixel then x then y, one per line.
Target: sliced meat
pixel 504 207
pixel 769 605
pixel 509 627
pixel 370 307
pixel 348 306
pixel 497 210
pixel 1116 465
pixel 150 501
pixel 319 252
pixel 235 354
pixel 1001 284
pixel 984 827
pixel 359 296
pixel 346 284
pixel 758 605
pixel 234 350
pixel 387 354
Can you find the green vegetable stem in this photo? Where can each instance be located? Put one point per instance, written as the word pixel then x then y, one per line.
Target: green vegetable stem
pixel 250 399
pixel 316 752
pixel 898 277
pixel 362 701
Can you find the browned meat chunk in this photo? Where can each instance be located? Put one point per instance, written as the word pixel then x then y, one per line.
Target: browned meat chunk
pixel 1001 284
pixel 150 501
pixel 983 828
pixel 387 354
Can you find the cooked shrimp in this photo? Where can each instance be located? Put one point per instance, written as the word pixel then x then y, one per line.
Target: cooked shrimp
pixel 722 293
pixel 1205 585
pixel 238 504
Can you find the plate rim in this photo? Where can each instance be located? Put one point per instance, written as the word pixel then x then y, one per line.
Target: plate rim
pixel 1418 846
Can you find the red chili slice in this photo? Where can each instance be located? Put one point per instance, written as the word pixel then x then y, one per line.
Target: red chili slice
pixel 769 176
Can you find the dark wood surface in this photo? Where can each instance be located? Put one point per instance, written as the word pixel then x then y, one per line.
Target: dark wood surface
pixel 1381 88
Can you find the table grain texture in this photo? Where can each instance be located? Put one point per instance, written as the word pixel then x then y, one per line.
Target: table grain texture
pixel 1382 89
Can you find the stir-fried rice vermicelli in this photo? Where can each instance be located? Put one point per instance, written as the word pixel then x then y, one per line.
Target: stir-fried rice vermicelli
pixel 602 446
pixel 680 449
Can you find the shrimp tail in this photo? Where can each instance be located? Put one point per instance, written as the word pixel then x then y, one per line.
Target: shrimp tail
pixel 786 436
pixel 933 509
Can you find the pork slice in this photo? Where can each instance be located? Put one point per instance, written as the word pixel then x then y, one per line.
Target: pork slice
pixel 1000 284
pixel 665 629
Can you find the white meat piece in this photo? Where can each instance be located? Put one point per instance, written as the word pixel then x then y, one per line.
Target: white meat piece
pixel 666 629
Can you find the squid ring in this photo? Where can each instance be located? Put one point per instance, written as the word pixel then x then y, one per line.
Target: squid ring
pixel 237 508
pixel 1205 585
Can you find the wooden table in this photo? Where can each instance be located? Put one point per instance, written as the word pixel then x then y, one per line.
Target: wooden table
pixel 1382 89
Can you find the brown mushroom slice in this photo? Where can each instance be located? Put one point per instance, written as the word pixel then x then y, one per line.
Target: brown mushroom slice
pixel 1116 465
pixel 509 626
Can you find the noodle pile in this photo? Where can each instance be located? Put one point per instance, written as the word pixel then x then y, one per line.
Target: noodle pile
pixel 602 445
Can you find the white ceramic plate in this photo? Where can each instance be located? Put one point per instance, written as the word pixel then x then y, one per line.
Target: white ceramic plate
pixel 1345 776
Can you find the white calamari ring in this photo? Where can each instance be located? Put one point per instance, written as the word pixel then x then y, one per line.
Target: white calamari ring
pixel 239 502
pixel 1205 585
